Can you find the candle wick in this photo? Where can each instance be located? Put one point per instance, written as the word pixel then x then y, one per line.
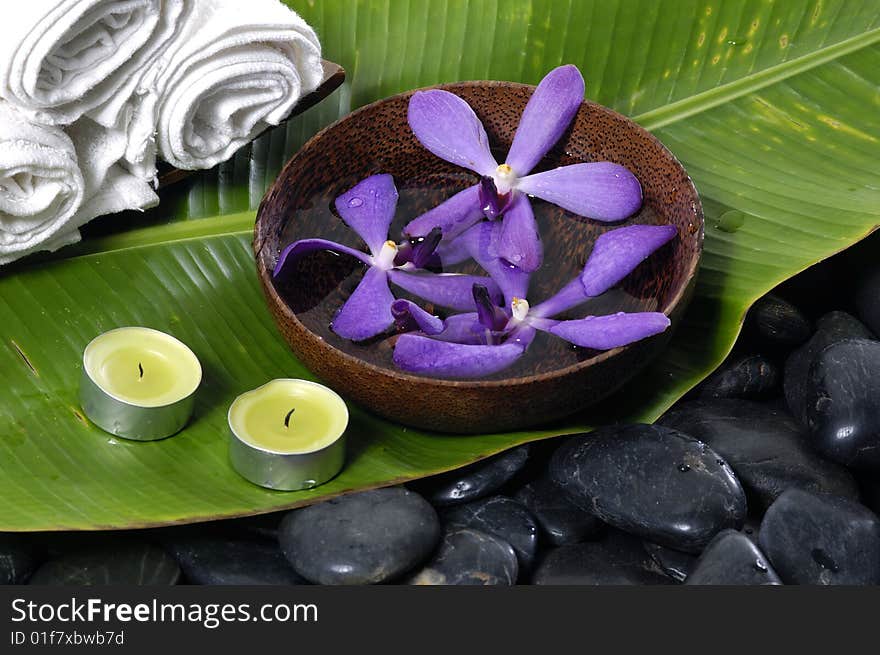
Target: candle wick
pixel 287 418
pixel 141 370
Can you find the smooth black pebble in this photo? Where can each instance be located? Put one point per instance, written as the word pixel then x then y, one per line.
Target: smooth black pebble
pixel 227 560
pixel 502 517
pixel 19 558
pixel 821 539
pixel 361 538
pixel 766 448
pixel 562 521
pixel 776 322
pixel 616 559
pixel 752 376
pixel 843 403
pixel 474 481
pixel 831 328
pixel 127 563
pixel 469 557
pixel 731 558
pixel 651 481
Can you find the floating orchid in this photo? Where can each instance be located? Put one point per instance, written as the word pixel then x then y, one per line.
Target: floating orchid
pixel 489 340
pixel 447 126
pixel 368 209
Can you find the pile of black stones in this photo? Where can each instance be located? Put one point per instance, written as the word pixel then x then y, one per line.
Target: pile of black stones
pixel 767 473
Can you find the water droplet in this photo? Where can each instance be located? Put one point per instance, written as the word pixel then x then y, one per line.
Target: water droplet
pixel 760 565
pixel 684 468
pixel 355 202
pixel 737 41
pixel 731 221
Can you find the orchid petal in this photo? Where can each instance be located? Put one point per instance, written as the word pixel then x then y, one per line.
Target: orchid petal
pixel 600 190
pixel 304 247
pixel 618 252
pixel 463 328
pixel 520 242
pixel 445 289
pixel 367 312
pixel 547 115
pixel 409 316
pixel 490 315
pixel 452 216
pixel 368 209
pixel 445 359
pixel 481 242
pixel 611 331
pixel 492 204
pixel 571 295
pixel 448 127
pixel 453 252
pixel 423 251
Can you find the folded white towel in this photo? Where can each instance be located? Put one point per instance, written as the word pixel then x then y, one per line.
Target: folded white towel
pixel 41 187
pixel 235 68
pixel 52 183
pixel 60 59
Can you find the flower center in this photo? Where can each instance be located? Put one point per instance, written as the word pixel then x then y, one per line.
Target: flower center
pixel 505 179
pixel 519 308
pixel 385 258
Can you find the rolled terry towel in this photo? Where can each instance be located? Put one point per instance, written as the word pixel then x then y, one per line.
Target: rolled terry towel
pixel 41 187
pixel 51 184
pixel 234 69
pixel 60 59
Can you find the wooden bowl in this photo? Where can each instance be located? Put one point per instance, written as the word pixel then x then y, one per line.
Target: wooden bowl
pixel 556 379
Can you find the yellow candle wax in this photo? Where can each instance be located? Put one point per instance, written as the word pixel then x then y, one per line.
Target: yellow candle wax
pixel 289 416
pixel 142 367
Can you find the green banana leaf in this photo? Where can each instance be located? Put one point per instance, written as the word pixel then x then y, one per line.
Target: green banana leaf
pixel 773 107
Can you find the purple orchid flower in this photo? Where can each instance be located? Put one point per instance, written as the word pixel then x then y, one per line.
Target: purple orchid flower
pixel 447 126
pixel 489 340
pixel 368 209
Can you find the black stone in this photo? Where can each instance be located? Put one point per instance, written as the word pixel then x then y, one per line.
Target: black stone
pixel 776 322
pixel 125 563
pixel 831 328
pixel 653 482
pixel 561 521
pixel 821 539
pixel 226 560
pixel 843 403
pixel 18 558
pixel 751 376
pixel 673 563
pixel 867 297
pixel 766 448
pixel 501 517
pixel 469 557
pixel 361 538
pixel 474 481
pixel 616 559
pixel 731 558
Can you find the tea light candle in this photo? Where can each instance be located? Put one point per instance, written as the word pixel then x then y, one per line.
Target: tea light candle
pixel 288 434
pixel 139 383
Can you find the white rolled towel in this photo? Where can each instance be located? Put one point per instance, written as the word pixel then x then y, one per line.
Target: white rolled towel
pixel 235 68
pixel 61 59
pixel 41 187
pixel 52 183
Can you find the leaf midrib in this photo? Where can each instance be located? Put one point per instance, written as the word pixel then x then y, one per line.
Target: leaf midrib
pixel 242 223
pixel 700 102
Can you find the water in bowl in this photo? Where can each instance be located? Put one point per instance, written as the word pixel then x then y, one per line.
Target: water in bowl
pixel 317 286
